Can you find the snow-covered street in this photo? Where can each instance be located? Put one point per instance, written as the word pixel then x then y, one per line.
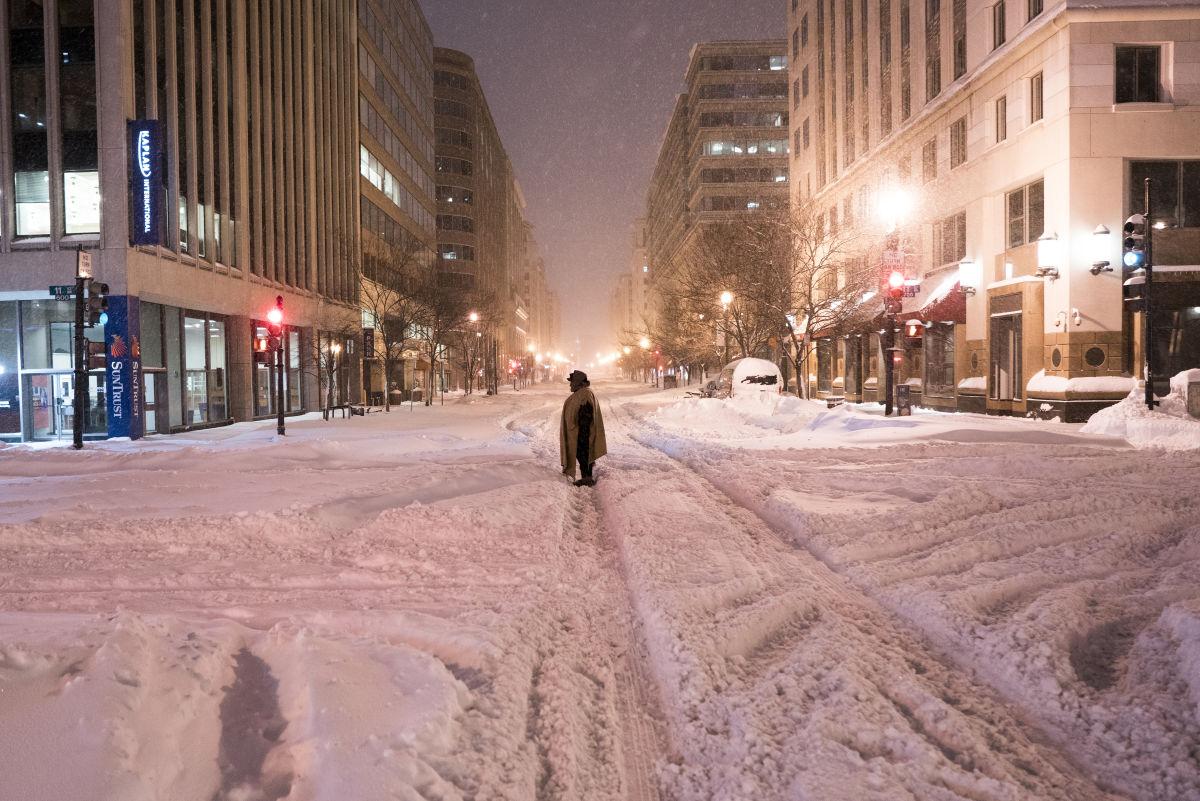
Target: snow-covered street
pixel 771 601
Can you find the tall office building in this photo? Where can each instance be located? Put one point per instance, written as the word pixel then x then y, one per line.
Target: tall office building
pixel 396 165
pixel 485 245
pixel 225 191
pixel 1022 132
pixel 724 153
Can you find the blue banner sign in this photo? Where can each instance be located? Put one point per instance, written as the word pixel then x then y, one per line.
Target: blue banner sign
pixel 122 345
pixel 146 182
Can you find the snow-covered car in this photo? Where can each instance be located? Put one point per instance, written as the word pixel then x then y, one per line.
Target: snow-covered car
pixel 749 376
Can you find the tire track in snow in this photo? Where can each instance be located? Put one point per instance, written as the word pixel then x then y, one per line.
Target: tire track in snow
pixel 603 656
pixel 1011 741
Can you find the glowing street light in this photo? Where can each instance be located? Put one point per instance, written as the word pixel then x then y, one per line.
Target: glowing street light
pixel 726 298
pixel 473 317
pixel 893 206
pixel 645 343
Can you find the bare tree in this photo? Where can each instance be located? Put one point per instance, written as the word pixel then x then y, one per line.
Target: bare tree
pixel 336 326
pixel 470 341
pixel 392 296
pixel 829 278
pixel 446 307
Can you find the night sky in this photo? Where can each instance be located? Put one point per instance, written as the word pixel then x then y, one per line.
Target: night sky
pixel 581 91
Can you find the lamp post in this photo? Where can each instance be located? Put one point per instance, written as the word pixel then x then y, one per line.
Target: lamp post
pixel 892 206
pixel 726 299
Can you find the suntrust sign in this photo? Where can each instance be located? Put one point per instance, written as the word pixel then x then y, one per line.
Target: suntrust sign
pixel 146 181
pixel 122 345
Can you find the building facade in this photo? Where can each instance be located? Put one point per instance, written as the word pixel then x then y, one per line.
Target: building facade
pixel 245 196
pixel 397 205
pixel 725 150
pixel 1021 133
pixel 485 244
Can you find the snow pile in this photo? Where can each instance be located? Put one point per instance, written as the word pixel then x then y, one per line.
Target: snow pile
pixel 1168 427
pixel 1057 384
pixel 745 416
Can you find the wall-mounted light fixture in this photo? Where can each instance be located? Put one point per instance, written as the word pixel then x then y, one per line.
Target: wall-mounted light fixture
pixel 970 276
pixel 1101 249
pixel 1047 255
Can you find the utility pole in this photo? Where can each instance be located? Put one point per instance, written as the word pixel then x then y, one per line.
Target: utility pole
pixel 81 360
pixel 1147 301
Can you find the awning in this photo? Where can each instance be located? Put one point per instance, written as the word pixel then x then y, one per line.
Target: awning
pixel 944 302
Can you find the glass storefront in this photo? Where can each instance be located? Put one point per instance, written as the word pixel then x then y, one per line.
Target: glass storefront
pixel 40 402
pixel 184 364
pixel 266 376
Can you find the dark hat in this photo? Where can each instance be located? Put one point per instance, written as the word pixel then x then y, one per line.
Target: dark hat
pixel 577 374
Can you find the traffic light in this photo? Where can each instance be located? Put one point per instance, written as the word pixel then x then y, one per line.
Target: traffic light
pixel 1135 243
pixel 97 303
pixel 1133 261
pixel 97 357
pixel 895 291
pixel 275 318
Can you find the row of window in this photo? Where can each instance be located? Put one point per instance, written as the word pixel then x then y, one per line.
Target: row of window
pixel 746 147
pixel 384 226
pixel 394 145
pixel 452 108
pixel 729 175
pixel 455 222
pixel 451 80
pixel 373 170
pixel 742 91
pixel 743 119
pixel 455 252
pixel 393 103
pixel 933 66
pixel 453 166
pixel 743 63
pixel 740 203
pixel 415 74
pixel 80 212
pixel 453 138
pixel 448 193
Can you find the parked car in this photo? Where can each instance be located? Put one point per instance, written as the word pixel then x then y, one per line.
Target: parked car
pixel 742 377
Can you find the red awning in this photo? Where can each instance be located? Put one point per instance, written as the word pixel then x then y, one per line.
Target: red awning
pixel 942 303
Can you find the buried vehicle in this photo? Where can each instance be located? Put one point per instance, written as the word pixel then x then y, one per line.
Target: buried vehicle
pixel 746 377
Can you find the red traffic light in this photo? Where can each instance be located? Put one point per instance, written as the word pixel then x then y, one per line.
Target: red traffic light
pixel 896 279
pixel 275 316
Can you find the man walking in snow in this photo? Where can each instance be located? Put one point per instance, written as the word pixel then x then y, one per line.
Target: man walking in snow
pixel 581 438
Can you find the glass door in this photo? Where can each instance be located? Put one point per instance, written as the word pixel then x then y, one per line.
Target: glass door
pixel 52 405
pixel 1006 357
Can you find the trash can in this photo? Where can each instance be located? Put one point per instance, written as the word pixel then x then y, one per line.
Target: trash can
pixel 670 382
pixel 904 400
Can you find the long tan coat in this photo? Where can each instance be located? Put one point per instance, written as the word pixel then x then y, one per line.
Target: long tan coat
pixel 569 431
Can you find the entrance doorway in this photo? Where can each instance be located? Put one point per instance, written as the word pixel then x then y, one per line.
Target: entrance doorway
pixel 1006 384
pixel 157 400
pixel 52 408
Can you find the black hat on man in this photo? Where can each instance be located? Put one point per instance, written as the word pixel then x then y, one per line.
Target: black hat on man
pixel 577 375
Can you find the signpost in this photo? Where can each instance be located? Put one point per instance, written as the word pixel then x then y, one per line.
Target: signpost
pixel 62 291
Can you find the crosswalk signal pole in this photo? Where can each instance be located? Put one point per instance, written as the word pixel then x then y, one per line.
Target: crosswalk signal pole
pixel 81 360
pixel 1147 302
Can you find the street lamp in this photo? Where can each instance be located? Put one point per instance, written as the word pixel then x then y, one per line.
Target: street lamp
pixel 473 317
pixel 893 206
pixel 726 299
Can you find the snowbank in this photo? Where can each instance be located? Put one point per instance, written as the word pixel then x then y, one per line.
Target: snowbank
pixel 1168 427
pixel 744 416
pixel 1057 384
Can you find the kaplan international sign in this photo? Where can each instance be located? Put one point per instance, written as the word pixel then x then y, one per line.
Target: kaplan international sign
pixel 146 181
